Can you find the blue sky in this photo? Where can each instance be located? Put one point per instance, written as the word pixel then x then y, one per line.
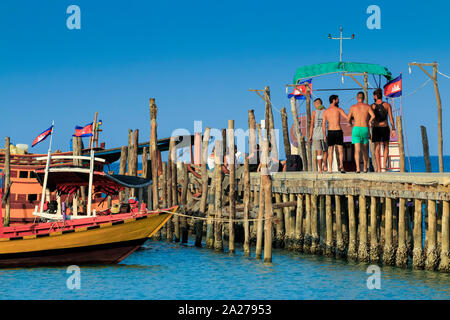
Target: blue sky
pixel 198 59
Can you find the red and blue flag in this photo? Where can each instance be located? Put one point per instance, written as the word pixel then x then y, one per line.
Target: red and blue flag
pixel 41 137
pixel 393 88
pixel 299 91
pixel 85 131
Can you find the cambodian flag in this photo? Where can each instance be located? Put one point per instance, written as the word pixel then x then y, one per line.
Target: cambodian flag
pixel 85 131
pixel 393 88
pixel 299 91
pixel 42 136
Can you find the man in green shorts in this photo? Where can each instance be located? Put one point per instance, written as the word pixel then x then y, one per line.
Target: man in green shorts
pixel 360 113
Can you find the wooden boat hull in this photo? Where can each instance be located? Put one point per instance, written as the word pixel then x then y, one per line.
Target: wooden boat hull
pixel 106 243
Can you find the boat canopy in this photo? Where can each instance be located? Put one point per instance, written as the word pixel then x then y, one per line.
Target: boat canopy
pixel 68 180
pixel 320 69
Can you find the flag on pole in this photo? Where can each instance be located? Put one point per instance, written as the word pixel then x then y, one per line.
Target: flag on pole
pixel 299 91
pixel 85 131
pixel 41 137
pixel 393 88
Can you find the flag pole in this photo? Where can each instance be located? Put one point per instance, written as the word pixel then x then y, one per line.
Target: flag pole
pixel 91 167
pixel 47 165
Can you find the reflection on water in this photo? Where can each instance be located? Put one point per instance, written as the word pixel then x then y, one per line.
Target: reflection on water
pixel 161 270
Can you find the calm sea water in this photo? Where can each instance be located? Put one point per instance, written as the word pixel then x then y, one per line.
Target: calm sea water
pixel 161 270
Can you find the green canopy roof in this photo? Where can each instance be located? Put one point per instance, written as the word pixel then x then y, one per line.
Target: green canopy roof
pixel 315 70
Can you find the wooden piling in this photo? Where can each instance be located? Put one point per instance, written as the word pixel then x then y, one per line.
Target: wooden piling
pixel 374 245
pixel 232 193
pixel 204 198
pixel 444 264
pixel 153 148
pixel 299 234
pixel 322 223
pixel 426 151
pixel 266 185
pixel 402 253
pixel 164 185
pixel 145 173
pixel 388 250
pixel 363 249
pixel 246 208
pixel 329 227
pixel 218 242
pixel 284 124
pixel 401 145
pixel 184 193
pixel 432 258
pixel 280 225
pixel 307 239
pixel 340 246
pixel 287 222
pixel 174 186
pixel 314 227
pixel 352 253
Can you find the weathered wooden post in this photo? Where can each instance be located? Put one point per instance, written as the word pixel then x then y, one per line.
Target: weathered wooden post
pixel 280 226
pixel 184 192
pixel 401 144
pixel 444 264
pixel 298 136
pixel 352 253
pixel 153 148
pixel 232 194
pixel 402 252
pixel 299 234
pixel 388 250
pixel 164 185
pixel 144 174
pixel 135 156
pixel 321 223
pixel 168 182
pixel 363 250
pixel 314 227
pixel 432 259
pixel 204 198
pixel 7 174
pixel 374 245
pixel 287 220
pixel 122 169
pixel 130 161
pixel 218 242
pixel 259 224
pixel 284 124
pixel 426 150
pixel 340 246
pixel 307 241
pixel 246 208
pixel 329 227
pixel 418 257
pixel 266 185
pixel 174 185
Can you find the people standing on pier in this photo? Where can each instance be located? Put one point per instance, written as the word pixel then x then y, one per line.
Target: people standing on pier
pixel 332 117
pixel 317 137
pixel 360 112
pixel 380 131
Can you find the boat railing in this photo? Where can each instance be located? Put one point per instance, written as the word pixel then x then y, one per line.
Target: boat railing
pixel 70 158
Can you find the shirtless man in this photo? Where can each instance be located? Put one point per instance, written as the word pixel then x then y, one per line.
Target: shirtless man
pixel 360 134
pixel 335 136
pixel 380 131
